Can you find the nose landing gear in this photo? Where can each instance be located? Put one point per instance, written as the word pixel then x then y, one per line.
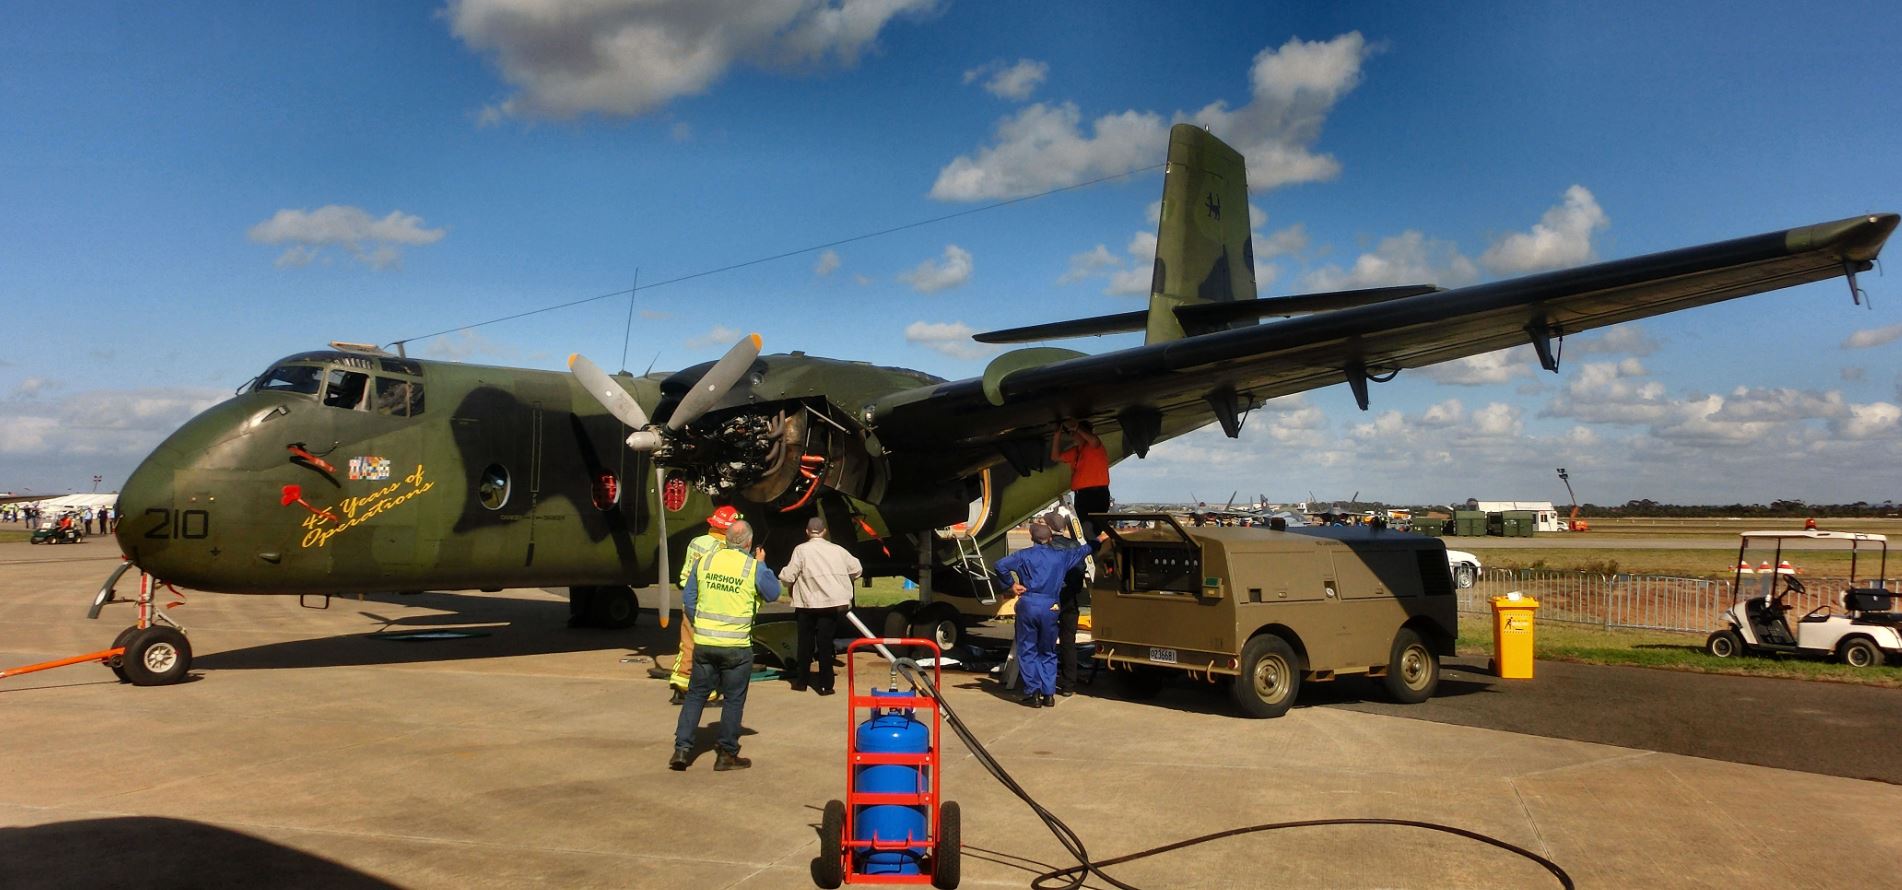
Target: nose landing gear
pixel 153 652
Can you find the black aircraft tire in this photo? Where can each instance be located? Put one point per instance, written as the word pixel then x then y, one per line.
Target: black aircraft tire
pixel 945 865
pixel 828 870
pixel 1270 678
pixel 1724 644
pixel 580 601
pixel 614 608
pixel 898 619
pixel 1413 671
pixel 157 656
pixel 1860 652
pixel 124 637
pixel 940 623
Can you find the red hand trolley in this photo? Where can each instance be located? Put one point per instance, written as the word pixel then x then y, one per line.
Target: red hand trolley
pixel 876 859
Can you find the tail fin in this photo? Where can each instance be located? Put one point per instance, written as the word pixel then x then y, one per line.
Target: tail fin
pixel 1203 250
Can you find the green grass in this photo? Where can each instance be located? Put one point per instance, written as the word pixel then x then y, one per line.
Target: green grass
pixel 14 535
pixel 883 592
pixel 1670 651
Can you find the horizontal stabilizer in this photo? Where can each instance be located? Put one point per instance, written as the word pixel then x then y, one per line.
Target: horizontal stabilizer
pixel 1203 315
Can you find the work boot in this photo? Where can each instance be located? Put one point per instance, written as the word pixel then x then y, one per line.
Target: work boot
pixel 1049 701
pixel 679 761
pixel 680 695
pixel 1033 699
pixel 799 686
pixel 730 760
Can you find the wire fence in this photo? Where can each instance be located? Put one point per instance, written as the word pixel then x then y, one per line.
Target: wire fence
pixel 1648 602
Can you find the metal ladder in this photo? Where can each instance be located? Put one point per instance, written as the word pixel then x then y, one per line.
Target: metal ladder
pixel 971 563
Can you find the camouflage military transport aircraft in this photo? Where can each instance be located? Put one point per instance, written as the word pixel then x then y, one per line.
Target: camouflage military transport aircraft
pixel 353 470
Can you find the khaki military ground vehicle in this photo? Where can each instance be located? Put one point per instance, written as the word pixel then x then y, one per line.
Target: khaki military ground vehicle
pixel 1261 611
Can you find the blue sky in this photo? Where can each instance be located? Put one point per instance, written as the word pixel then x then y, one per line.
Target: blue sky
pixel 191 190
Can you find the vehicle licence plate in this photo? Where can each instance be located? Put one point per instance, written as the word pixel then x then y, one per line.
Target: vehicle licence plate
pixel 1166 656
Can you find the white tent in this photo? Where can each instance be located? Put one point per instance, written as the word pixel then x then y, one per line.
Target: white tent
pixel 78 501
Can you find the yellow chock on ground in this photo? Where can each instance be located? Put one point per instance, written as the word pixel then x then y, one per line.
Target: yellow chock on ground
pixel 1512 635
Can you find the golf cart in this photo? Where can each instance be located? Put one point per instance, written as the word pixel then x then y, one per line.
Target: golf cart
pixel 1859 628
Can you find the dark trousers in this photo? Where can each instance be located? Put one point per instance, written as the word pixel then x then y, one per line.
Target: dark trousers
pixel 1087 501
pixel 730 669
pixel 817 629
pixel 1067 613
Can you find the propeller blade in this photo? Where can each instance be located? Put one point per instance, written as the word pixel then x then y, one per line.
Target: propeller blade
pixel 718 381
pixel 618 401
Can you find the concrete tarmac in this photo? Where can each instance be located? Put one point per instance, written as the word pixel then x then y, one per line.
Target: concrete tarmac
pixel 307 752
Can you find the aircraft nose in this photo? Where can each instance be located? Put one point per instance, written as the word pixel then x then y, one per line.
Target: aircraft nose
pixel 145 509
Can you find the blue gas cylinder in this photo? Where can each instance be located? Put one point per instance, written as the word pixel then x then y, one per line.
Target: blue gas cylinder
pixel 892 731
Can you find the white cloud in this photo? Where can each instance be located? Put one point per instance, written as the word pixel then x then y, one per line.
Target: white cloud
pixel 828 263
pixel 1407 258
pixel 1010 81
pixel 1874 421
pixel 1874 337
pixel 32 387
pixel 1293 88
pixel 932 276
pixel 1088 263
pixel 952 338
pixel 372 241
pixel 1561 238
pixel 627 57
pixel 1623 339
pixel 720 335
pixel 1136 280
pixel 123 423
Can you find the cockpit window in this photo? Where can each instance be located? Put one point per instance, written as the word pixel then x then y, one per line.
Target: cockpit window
pixel 344 389
pixel 403 398
pixel 290 378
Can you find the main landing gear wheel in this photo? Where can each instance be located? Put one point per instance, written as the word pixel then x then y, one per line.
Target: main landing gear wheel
pixel 945 865
pixel 1413 672
pixel 828 871
pixel 613 607
pixel 157 656
pixel 898 619
pixel 938 622
pixel 1724 644
pixel 1271 676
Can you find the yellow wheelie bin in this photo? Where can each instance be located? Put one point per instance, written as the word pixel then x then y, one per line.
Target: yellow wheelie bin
pixel 1512 635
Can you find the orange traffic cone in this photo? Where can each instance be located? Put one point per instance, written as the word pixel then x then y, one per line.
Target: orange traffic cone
pixel 1784 568
pixel 1743 567
pixel 1764 569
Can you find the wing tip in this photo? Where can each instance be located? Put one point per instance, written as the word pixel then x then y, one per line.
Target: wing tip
pixel 756 341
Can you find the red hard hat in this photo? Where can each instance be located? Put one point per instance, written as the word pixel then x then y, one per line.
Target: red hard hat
pixel 723 518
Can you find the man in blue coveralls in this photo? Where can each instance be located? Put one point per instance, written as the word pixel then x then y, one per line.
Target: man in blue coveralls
pixel 1038 580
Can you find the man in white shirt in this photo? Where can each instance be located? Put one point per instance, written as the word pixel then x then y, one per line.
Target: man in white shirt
pixel 820 576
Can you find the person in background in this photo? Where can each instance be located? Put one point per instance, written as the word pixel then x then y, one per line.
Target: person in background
pixel 1037 578
pixel 1089 470
pixel 820 576
pixel 1069 603
pixel 722 595
pixel 714 539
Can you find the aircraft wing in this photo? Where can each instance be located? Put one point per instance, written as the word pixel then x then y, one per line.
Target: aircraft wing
pixel 1159 390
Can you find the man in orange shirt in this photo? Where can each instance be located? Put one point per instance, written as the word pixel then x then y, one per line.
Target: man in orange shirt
pixel 1089 471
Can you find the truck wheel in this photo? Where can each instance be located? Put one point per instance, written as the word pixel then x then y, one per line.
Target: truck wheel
pixel 1464 576
pixel 1413 671
pixel 613 607
pixel 944 853
pixel 938 622
pixel 157 656
pixel 1724 644
pixel 1860 652
pixel 1271 677
pixel 828 870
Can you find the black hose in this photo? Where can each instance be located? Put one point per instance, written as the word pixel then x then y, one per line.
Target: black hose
pixel 1074 876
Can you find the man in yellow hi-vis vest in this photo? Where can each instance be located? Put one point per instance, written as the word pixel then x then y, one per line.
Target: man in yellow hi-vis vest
pixel 717 524
pixel 722 593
